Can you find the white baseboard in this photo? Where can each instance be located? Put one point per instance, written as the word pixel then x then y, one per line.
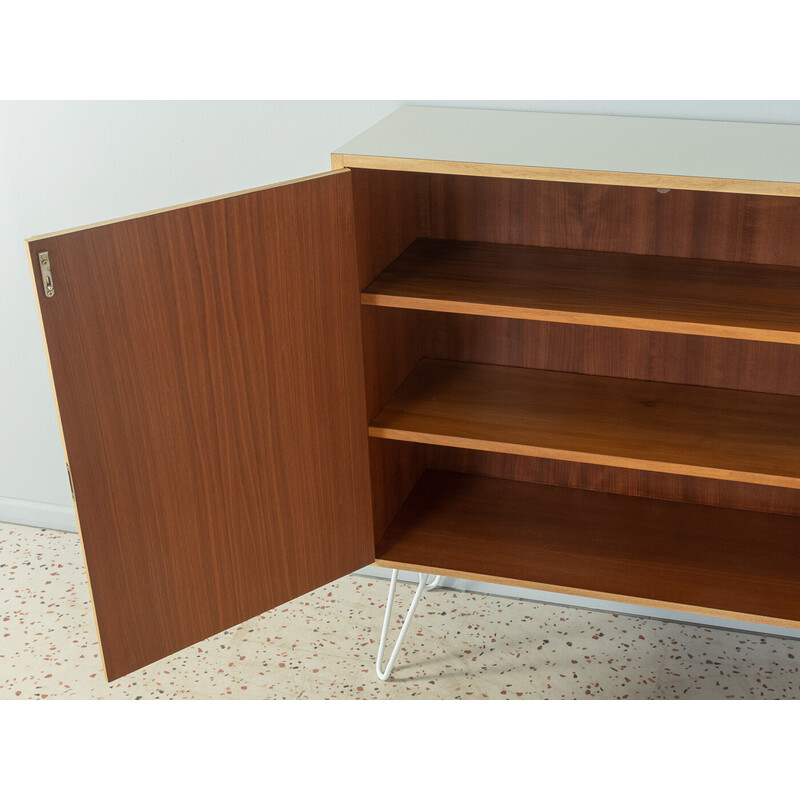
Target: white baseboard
pixel 520 593
pixel 38 515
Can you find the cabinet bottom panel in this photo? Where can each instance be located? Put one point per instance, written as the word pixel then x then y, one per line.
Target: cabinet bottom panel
pixel 722 562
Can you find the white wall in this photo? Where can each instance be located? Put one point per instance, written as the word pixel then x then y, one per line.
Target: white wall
pixel 64 164
pixel 67 164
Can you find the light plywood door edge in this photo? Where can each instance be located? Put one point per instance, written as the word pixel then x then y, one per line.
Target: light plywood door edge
pixel 66 454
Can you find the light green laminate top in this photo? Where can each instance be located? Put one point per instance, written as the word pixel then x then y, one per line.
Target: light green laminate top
pixel 718 151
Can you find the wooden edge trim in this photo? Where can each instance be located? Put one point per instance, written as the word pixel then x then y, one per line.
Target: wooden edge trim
pixel 578 592
pixel 641 179
pixel 625 462
pixel 66 456
pixel 578 318
pixel 184 205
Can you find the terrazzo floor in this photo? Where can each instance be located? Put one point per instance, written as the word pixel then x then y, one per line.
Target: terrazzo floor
pixel 322 646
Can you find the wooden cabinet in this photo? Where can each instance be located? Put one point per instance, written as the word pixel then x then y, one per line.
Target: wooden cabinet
pixel 554 351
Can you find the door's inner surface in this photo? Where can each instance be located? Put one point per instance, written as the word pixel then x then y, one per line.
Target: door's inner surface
pixel 208 372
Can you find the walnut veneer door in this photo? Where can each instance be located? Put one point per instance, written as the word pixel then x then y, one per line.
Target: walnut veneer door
pixel 208 372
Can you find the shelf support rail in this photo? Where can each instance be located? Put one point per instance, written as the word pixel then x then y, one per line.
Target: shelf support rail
pixel 384 674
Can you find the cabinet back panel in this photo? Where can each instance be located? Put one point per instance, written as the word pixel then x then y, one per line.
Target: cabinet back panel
pixel 617 481
pixel 715 225
pixel 641 355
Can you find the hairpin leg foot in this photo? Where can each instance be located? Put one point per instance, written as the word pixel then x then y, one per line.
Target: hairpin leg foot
pixel 383 674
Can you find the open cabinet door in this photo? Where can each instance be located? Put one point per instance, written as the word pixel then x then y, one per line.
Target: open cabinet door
pixel 207 365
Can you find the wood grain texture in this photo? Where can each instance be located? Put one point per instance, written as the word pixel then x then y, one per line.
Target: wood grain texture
pixel 615 290
pixel 686 430
pixel 387 212
pixel 642 355
pixel 617 219
pixel 36 277
pixel 616 480
pixel 210 387
pixel 723 562
pixel 390 211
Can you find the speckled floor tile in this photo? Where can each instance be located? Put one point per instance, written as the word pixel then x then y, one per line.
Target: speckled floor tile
pixel 322 645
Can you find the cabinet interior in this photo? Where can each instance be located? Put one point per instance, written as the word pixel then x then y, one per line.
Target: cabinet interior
pixel 470 488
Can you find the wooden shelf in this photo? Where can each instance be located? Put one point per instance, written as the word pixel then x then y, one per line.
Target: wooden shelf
pixel 719 561
pixel 751 437
pixel 654 293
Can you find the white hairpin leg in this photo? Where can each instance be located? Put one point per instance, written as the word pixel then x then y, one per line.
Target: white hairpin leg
pixel 383 674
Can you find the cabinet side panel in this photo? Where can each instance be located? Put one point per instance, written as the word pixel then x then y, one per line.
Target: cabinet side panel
pixel 390 212
pixel 210 387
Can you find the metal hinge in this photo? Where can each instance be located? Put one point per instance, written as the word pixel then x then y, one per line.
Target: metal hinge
pixel 47 277
pixel 71 487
